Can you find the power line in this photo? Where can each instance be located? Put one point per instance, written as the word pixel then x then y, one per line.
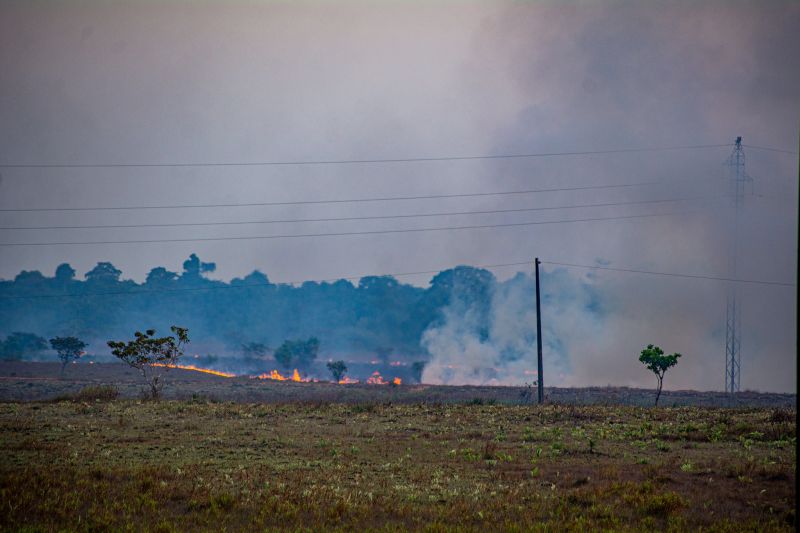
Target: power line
pixel 769 149
pixel 358 161
pixel 334 201
pixel 344 233
pixel 672 274
pixel 376 217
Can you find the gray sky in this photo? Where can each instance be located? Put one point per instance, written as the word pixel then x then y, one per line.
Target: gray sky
pixel 96 82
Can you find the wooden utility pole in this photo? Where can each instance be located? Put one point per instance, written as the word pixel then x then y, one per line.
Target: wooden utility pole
pixel 540 375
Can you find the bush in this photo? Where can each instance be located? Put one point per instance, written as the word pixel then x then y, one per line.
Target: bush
pixel 151 355
pixel 482 401
pixel 91 393
pixel 664 504
pixel 782 415
pixel 101 393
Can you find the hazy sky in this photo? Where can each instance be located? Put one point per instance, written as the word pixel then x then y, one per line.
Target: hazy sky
pixel 150 82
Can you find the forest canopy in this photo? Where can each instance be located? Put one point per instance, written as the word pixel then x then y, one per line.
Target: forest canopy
pixel 377 314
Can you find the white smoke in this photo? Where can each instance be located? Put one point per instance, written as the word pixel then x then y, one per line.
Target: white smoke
pixel 505 352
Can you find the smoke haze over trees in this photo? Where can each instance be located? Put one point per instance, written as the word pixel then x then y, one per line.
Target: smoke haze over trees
pixel 467 326
pixel 470 327
pixel 378 314
pixel 217 82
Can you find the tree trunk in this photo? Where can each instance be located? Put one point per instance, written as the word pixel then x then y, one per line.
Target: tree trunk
pixel 152 381
pixel 155 387
pixel 63 367
pixel 658 394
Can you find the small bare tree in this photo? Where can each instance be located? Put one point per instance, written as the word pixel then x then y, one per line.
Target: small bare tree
pixel 152 355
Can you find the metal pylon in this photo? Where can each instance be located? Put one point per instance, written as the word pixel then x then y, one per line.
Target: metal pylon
pixel 739 181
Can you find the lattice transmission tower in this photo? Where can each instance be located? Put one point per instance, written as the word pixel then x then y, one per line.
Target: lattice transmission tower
pixel 739 182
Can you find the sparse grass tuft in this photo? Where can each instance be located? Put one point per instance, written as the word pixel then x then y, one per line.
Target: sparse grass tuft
pixel 91 393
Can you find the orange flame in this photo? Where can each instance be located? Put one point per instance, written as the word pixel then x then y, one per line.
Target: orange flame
pixel 198 369
pixel 277 376
pixel 376 379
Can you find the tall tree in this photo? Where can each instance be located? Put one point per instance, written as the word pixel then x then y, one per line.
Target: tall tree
pixel 160 277
pixel 104 272
pixel 337 369
pixel 299 353
pixel 19 344
pixel 65 273
pixel 68 349
pixel 416 370
pixel 193 267
pixel 384 353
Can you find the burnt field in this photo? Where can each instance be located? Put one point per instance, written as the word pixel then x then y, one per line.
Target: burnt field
pixel 24 381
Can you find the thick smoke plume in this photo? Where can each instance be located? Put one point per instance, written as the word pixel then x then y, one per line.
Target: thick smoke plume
pixel 496 344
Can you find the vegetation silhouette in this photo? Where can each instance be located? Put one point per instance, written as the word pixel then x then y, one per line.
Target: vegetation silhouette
pixel 653 357
pixel 151 355
pixel 376 315
pixel 337 369
pixel 68 349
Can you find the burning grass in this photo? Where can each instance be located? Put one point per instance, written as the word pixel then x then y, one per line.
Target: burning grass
pixel 202 465
pixel 199 369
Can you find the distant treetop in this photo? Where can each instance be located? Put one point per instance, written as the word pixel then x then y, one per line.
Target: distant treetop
pixel 64 272
pixel 193 267
pixel 104 271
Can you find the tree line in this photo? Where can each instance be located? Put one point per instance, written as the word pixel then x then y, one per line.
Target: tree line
pixel 249 315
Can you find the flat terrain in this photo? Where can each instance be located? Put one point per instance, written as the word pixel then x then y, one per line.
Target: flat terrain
pixel 23 381
pixel 197 465
pixel 244 454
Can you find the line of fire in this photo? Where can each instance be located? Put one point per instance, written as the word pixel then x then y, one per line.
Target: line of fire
pixel 374 379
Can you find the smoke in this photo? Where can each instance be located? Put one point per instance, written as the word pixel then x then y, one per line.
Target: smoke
pixel 155 82
pixel 497 345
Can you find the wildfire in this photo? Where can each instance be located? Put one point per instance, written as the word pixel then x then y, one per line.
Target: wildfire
pixel 198 369
pixel 277 376
pixel 376 379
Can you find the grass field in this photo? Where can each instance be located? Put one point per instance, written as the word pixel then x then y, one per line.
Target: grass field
pixel 92 465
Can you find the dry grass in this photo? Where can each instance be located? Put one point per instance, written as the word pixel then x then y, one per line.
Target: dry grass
pixel 197 465
pixel 91 393
pixel 26 381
